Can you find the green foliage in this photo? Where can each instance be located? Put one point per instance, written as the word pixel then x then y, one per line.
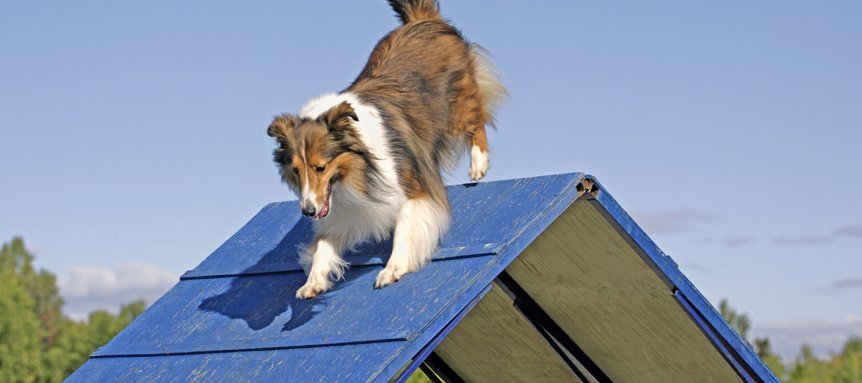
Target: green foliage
pixel 418 377
pixel 845 367
pixel 40 287
pixel 20 354
pixel 773 361
pixel 738 321
pixel 38 343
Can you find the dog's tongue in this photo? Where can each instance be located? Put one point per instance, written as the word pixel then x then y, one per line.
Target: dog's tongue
pixel 324 210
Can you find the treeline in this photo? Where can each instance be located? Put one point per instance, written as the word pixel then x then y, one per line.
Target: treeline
pixel 842 367
pixel 37 342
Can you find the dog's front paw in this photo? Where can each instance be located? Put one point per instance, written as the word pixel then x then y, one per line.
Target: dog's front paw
pixel 312 288
pixel 478 163
pixel 387 276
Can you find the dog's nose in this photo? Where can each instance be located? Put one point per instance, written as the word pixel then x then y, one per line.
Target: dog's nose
pixel 309 211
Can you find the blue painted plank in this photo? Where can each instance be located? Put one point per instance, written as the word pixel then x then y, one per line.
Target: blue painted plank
pixel 483 213
pixel 668 268
pixel 252 344
pixel 205 319
pixel 270 237
pixel 369 255
pixel 234 318
pixel 347 363
pixel 202 314
pixel 211 316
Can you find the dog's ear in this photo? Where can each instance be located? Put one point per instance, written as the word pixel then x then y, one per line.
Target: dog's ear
pixel 280 130
pixel 281 126
pixel 339 116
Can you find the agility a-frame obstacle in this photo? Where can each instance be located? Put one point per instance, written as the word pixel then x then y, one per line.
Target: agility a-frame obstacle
pixel 539 279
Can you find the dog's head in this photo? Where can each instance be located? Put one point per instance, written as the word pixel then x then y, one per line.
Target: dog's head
pixel 314 154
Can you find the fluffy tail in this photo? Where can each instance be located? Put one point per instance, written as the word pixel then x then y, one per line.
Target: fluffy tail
pixel 488 79
pixel 415 10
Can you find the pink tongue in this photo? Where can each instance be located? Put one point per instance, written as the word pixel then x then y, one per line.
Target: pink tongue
pixel 325 209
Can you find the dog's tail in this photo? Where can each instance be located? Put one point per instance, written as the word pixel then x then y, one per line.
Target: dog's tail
pixel 415 10
pixel 488 79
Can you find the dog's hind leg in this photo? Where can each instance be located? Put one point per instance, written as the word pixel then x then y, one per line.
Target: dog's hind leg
pixel 469 117
pixel 322 261
pixel 478 153
pixel 420 224
pixel 482 96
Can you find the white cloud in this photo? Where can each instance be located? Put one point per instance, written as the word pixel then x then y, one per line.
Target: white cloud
pixel 737 241
pixel 824 336
pixel 87 288
pixel 840 286
pixel 852 231
pixel 801 240
pixel 847 284
pixel 674 221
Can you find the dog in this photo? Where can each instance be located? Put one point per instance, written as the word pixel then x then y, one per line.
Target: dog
pixel 367 162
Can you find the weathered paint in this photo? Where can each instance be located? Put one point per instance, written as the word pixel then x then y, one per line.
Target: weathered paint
pixel 235 318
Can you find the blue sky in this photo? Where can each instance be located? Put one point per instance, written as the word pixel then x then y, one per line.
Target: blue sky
pixel 133 135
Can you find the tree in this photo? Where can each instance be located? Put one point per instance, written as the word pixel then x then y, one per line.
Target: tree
pixel 20 355
pixel 738 321
pixel 764 351
pixel 40 285
pixel 742 324
pixel 849 368
pixel 37 343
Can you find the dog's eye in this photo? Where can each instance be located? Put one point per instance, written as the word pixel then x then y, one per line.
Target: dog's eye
pixel 320 169
pixel 295 170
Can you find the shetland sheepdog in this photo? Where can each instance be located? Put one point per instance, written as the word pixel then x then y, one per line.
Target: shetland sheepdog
pixel 366 162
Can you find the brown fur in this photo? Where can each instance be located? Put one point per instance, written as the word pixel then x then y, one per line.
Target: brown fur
pixel 422 76
pixel 434 93
pixel 428 95
pixel 330 143
pixel 413 10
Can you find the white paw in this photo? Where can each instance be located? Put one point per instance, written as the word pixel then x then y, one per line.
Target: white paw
pixel 388 276
pixel 313 287
pixel 478 163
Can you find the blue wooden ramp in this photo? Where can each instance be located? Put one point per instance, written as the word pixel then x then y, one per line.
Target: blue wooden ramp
pixel 539 279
